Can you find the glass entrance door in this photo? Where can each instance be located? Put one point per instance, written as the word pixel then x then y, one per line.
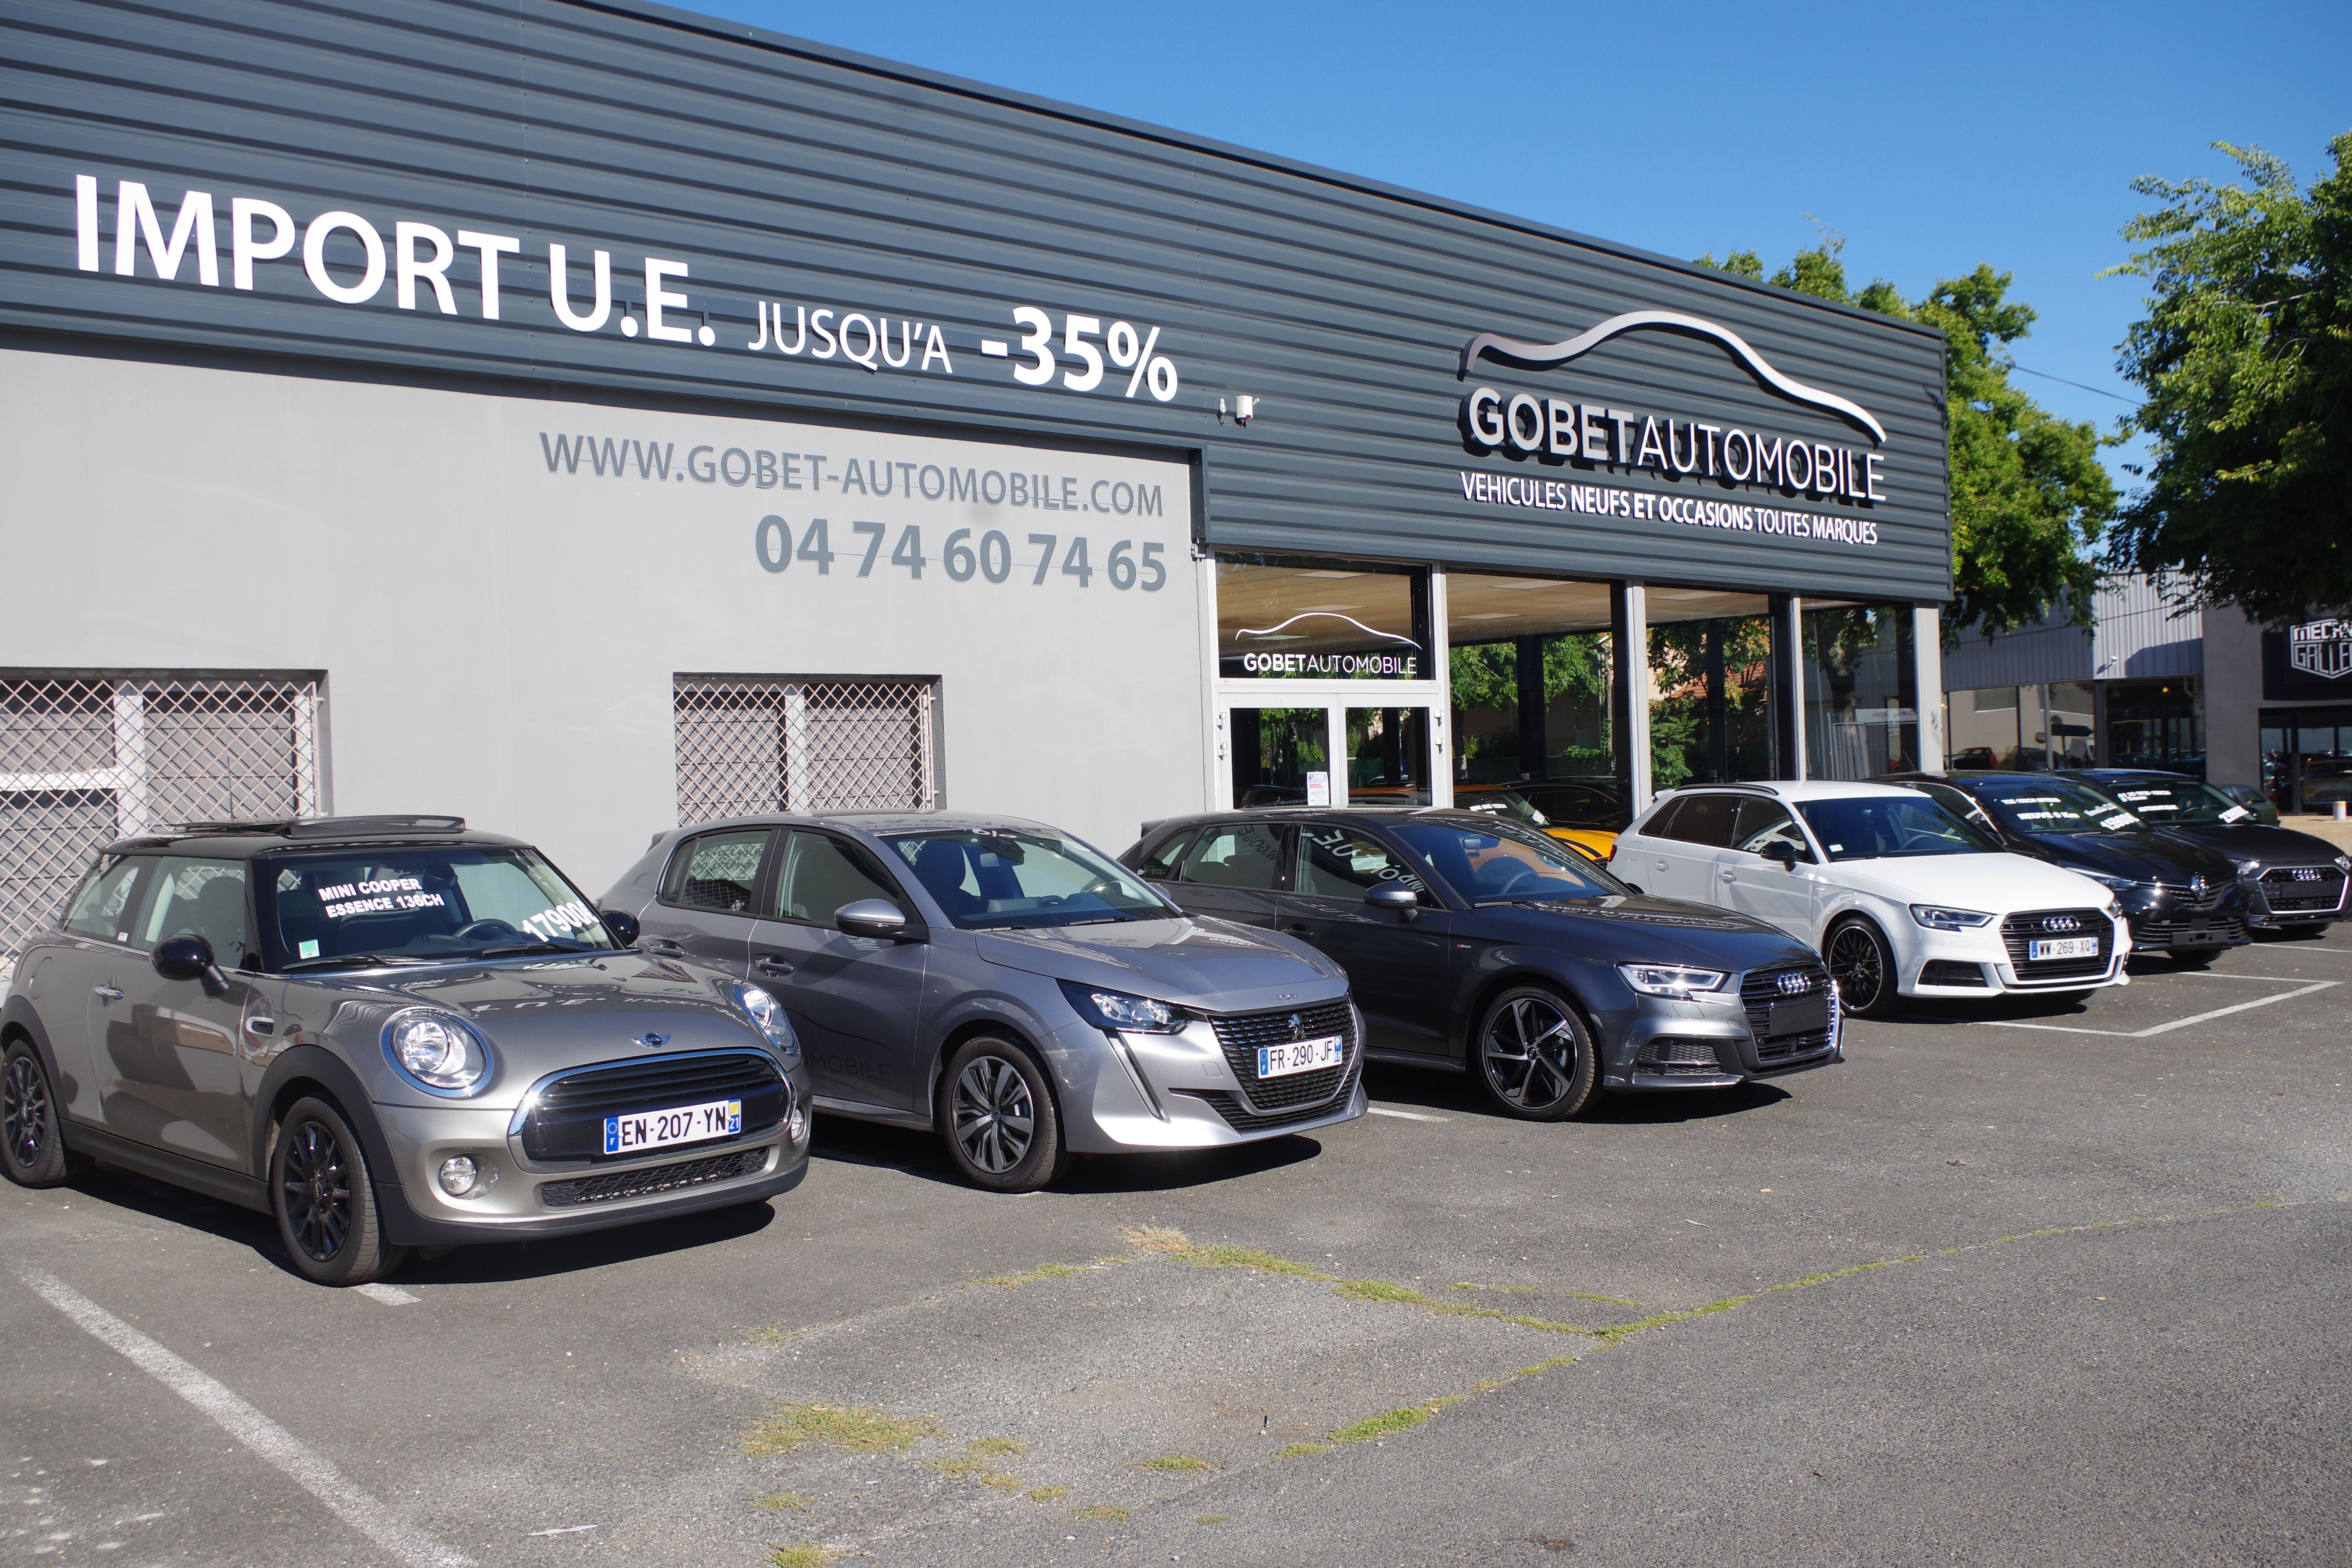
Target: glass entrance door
pixel 1283 756
pixel 1388 756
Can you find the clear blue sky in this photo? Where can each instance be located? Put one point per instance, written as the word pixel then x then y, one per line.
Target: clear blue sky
pixel 1931 137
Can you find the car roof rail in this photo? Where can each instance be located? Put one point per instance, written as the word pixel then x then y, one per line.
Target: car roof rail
pixel 317 827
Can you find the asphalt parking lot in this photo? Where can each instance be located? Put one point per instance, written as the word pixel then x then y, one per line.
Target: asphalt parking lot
pixel 2034 1283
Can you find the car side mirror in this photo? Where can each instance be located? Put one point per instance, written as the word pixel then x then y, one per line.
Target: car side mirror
pixel 1786 854
pixel 189 958
pixel 877 917
pixel 1394 898
pixel 622 925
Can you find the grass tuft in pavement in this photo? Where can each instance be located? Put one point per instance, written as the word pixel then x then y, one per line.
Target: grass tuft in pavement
pixel 1382 1291
pixel 1392 1421
pixel 1296 1449
pixel 1046 1494
pixel 1214 1519
pixel 795 1424
pixel 1176 1462
pixel 805 1555
pixel 996 1447
pixel 777 1502
pixel 1110 1513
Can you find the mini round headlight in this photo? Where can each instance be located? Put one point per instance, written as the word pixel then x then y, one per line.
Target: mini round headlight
pixel 438 1052
pixel 459 1175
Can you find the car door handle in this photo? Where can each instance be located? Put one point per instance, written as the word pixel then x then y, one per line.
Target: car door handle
pixel 662 947
pixel 771 963
pixel 1658 864
pixel 1299 930
pixel 106 994
pixel 262 1026
pixel 1731 876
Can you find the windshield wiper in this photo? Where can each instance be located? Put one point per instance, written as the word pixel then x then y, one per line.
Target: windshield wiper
pixel 514 949
pixel 352 961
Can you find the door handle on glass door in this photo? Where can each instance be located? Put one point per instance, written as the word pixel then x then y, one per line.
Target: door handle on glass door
pixel 106 994
pixel 769 963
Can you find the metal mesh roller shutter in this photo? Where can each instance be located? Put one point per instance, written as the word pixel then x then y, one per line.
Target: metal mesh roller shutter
pixel 89 758
pixel 751 743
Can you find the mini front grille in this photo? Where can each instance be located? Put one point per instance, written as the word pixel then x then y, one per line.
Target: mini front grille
pixel 1764 987
pixel 644 1183
pixel 2037 925
pixel 1673 1057
pixel 567 1119
pixel 1241 1036
pixel 2303 889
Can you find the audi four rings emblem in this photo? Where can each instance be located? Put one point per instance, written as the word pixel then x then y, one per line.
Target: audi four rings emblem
pixel 2061 922
pixel 1795 984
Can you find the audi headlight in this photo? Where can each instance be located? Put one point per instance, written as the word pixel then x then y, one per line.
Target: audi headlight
pixel 2343 862
pixel 2120 884
pixel 2249 868
pixel 436 1053
pixel 1118 1011
pixel 1936 917
pixel 1682 984
pixel 767 1016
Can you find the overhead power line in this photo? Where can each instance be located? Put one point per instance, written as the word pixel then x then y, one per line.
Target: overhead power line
pixel 2045 375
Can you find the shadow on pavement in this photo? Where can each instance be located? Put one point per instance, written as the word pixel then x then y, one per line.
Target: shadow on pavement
pixel 920 1155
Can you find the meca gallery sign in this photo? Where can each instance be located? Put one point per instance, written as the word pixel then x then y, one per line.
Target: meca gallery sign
pixel 2323 648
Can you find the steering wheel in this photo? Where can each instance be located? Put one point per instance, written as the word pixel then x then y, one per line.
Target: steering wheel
pixel 1518 877
pixel 484 930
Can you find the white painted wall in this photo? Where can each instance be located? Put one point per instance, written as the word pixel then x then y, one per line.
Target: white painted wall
pixel 499 640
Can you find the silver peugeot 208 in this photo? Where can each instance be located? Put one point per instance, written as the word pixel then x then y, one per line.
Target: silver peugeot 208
pixel 1002 981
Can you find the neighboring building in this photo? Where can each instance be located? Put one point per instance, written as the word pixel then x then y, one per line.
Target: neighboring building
pixel 2152 685
pixel 591 417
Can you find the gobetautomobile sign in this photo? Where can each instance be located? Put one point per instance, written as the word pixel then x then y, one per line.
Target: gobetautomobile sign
pixel 1594 435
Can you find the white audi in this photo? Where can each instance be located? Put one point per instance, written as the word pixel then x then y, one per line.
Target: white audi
pixel 1901 897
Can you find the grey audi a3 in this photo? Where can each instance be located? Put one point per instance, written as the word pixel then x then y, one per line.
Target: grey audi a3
pixel 1006 984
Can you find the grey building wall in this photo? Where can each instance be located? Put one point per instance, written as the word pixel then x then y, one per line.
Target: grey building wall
pixel 780 174
pixel 500 630
pixel 2136 634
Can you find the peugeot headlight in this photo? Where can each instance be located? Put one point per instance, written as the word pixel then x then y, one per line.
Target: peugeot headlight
pixel 767 1016
pixel 1118 1011
pixel 436 1053
pixel 2120 884
pixel 1682 984
pixel 1936 917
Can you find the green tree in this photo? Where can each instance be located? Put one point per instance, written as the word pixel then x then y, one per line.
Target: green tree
pixel 2030 497
pixel 2245 356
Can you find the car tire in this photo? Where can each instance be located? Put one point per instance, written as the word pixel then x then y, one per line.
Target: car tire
pixel 1534 1056
pixel 33 1126
pixel 998 1117
pixel 324 1199
pixel 1862 968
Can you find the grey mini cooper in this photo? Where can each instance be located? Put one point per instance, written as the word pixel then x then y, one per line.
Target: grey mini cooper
pixel 387 1032
pixel 1002 981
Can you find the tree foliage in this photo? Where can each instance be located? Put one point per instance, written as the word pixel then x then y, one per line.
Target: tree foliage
pixel 2030 497
pixel 2245 357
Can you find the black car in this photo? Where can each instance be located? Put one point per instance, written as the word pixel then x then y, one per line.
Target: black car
pixel 2293 882
pixel 2181 898
pixel 1472 943
pixel 386 1033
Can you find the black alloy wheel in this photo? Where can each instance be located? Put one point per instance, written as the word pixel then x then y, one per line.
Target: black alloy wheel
pixel 29 1123
pixel 1535 1056
pixel 999 1118
pixel 323 1200
pixel 1862 969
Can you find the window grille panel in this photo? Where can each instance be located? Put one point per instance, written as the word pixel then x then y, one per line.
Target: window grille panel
pixel 749 745
pixel 86 759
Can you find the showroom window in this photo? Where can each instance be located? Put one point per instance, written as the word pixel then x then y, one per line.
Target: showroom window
pixel 753 743
pixel 1861 684
pixel 86 759
pixel 1531 665
pixel 1305 618
pixel 1713 709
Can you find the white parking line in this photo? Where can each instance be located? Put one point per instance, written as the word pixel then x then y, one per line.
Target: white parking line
pixel 390 1295
pixel 2164 1029
pixel 1405 1115
pixel 250 1426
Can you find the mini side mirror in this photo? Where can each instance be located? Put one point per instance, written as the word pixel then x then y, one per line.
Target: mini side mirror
pixel 877 918
pixel 622 925
pixel 1393 896
pixel 1786 854
pixel 188 958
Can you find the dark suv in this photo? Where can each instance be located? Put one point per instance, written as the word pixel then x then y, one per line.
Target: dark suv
pixel 387 1032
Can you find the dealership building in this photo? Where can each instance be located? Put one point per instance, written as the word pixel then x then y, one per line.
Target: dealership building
pixel 589 418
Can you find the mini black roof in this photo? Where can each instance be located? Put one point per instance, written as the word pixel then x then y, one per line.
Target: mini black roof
pixel 242 840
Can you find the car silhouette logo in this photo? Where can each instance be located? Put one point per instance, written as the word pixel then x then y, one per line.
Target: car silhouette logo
pixel 1795 984
pixel 651 1042
pixel 2061 922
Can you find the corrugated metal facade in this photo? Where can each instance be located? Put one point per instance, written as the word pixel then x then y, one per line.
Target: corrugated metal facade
pixel 786 172
pixel 2137 634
